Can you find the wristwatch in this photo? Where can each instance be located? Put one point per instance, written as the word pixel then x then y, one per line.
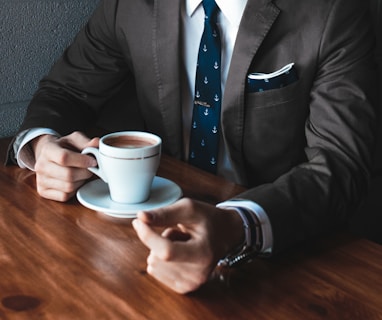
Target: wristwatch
pixel 252 244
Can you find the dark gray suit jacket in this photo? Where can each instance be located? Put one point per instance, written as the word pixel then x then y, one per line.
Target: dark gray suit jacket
pixel 304 150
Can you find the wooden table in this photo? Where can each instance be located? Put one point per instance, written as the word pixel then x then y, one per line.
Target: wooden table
pixel 64 261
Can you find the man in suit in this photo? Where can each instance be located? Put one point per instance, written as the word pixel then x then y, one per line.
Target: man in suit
pixel 303 150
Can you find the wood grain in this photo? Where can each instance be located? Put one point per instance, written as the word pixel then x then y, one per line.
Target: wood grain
pixel 64 261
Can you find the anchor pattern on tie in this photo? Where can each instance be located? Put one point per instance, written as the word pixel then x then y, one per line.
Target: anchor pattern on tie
pixel 204 135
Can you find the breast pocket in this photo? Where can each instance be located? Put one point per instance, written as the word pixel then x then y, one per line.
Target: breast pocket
pixel 274 136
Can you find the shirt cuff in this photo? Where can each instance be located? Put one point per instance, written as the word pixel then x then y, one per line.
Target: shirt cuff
pixel 21 147
pixel 259 215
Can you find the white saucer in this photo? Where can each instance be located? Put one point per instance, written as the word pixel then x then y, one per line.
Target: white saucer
pixel 95 195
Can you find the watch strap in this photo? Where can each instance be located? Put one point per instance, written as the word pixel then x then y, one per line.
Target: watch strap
pixel 252 243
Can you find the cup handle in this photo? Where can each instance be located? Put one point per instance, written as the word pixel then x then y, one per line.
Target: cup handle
pixel 96 170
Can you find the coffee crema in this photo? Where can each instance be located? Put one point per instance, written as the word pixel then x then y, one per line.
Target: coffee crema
pixel 129 142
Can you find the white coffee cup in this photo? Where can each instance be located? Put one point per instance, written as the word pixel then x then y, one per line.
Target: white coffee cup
pixel 127 162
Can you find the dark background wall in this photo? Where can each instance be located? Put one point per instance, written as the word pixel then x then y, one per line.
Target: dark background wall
pixel 33 33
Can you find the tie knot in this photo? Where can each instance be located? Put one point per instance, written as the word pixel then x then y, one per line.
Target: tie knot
pixel 210 9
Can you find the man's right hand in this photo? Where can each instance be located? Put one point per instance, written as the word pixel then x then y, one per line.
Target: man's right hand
pixel 60 167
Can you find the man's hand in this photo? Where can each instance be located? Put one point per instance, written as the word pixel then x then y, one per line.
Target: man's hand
pixel 196 235
pixel 60 167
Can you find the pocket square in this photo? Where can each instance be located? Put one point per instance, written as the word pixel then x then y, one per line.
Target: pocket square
pixel 257 82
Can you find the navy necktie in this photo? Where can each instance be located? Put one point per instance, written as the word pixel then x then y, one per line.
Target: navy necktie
pixel 204 136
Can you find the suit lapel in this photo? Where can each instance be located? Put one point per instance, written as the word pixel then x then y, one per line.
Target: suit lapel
pixel 166 51
pixel 256 22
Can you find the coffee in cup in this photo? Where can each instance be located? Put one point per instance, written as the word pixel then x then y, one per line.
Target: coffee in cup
pixel 129 141
pixel 127 162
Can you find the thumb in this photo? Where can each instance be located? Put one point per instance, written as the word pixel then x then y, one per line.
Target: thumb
pixel 93 143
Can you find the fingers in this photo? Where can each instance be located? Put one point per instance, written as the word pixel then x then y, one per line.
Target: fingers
pixel 175 234
pixel 64 151
pixel 186 224
pixel 176 264
pixel 77 141
pixel 150 238
pixel 60 168
pixel 63 184
pixel 162 247
pixel 183 210
pixel 181 277
pixel 61 193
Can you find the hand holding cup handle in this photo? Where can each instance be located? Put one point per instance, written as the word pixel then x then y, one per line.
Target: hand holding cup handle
pixel 96 170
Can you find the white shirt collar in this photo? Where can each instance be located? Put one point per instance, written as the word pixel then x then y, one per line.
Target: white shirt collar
pixel 232 10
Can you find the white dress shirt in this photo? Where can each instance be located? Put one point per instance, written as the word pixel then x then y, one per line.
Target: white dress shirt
pixel 192 28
